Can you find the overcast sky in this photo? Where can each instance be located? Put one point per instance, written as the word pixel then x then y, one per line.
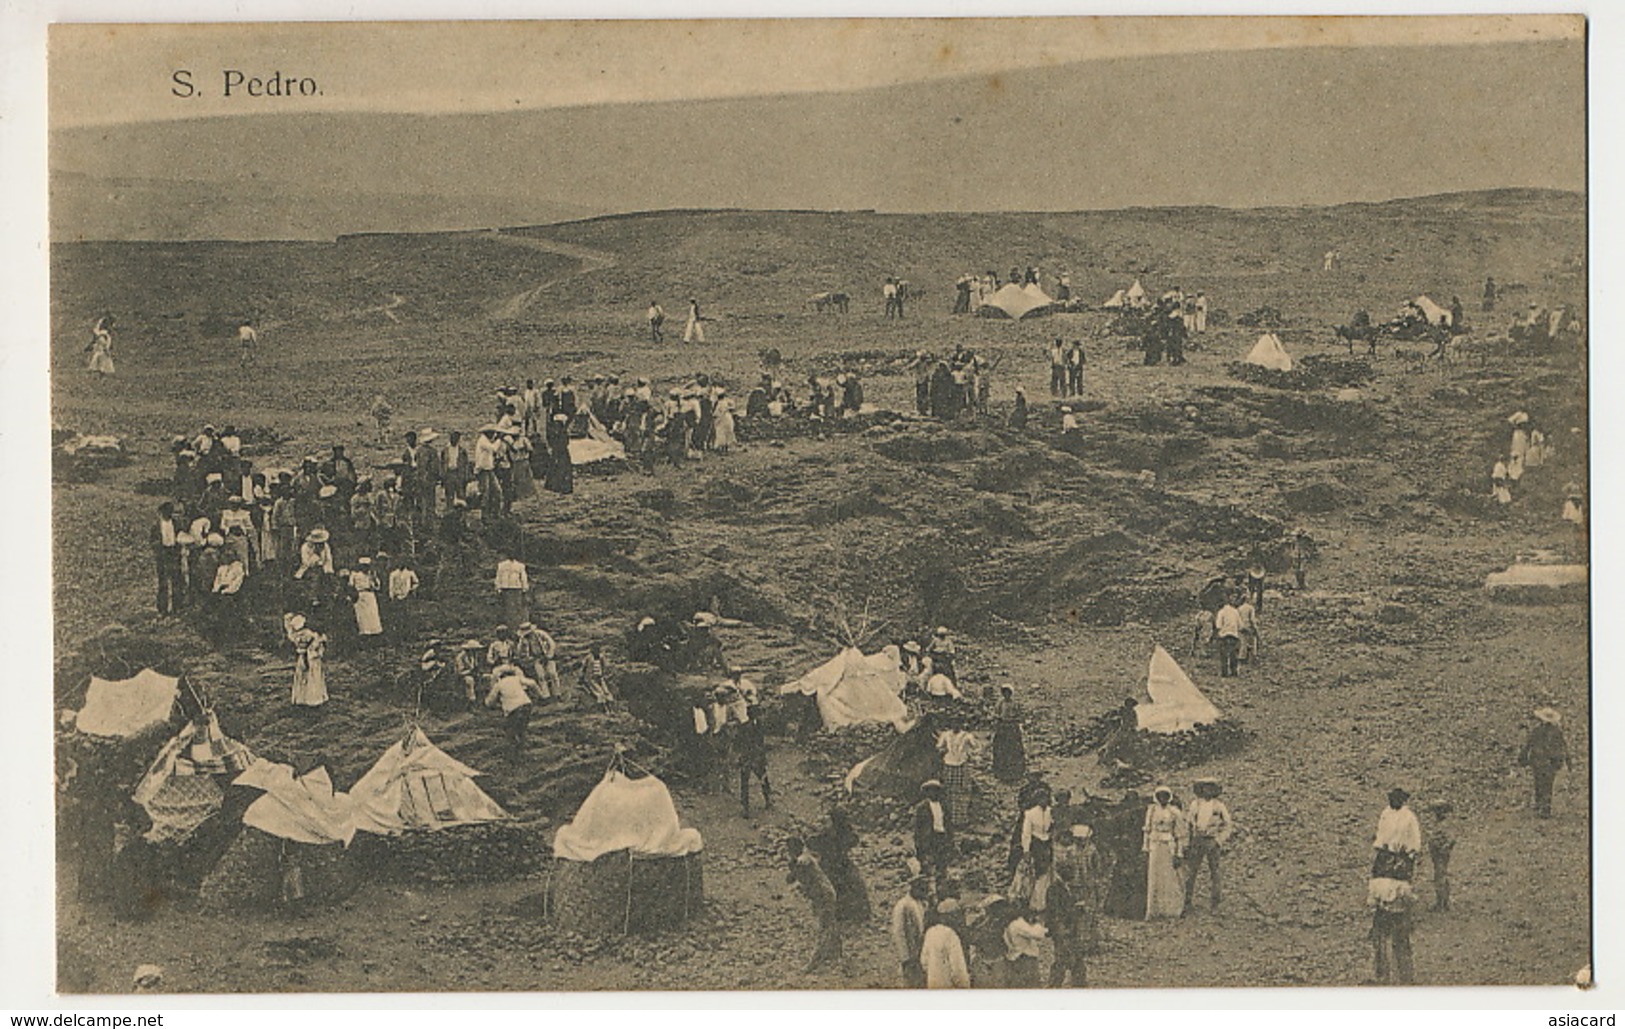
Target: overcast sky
pixel 102 74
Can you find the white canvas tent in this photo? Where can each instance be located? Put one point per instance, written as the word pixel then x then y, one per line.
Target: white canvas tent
pixel 303 809
pixel 598 445
pixel 1116 300
pixel 178 791
pixel 1435 314
pixel 622 813
pixel 1136 295
pixel 416 785
pixel 127 707
pixel 1269 353
pixel 853 688
pixel 1017 302
pixel 1176 704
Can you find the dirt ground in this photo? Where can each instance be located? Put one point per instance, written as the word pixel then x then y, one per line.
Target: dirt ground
pixel 1059 561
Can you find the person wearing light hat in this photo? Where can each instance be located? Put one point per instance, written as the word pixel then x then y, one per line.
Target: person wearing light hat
pixel 537 651
pixel 364 584
pixel 309 674
pixel 1544 753
pixel 560 470
pixel 1165 838
pixel 315 554
pixel 931 841
pixel 1080 865
pixel 1210 831
pixel 942 951
pixel 466 663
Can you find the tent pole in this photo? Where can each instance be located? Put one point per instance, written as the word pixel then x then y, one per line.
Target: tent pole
pixel 626 928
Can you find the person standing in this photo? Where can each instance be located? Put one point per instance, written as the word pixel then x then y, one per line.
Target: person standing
pixel 1018 412
pixel 364 584
pixel 1064 918
pixel 309 675
pixel 888 291
pixel 166 556
pixel 101 346
pixel 1251 641
pixel 657 319
pixel 1490 294
pixel 694 331
pixel 560 471
pixel 1023 939
pixel 1255 583
pixel 1057 368
pixel 1544 753
pixel 957 747
pixel 1201 312
pixel 1163 845
pixel 1440 846
pixel 1210 831
pixel 723 436
pixel 1009 748
pixel 466 664
pixel 1391 901
pixel 1398 840
pixel 748 743
pixel 808 876
pixel 942 951
pixel 1079 864
pixel 908 932
pixel 248 343
pixel 513 590
pixel 455 471
pixel 1075 363
pixel 537 652
pixel 381 412
pixel 931 846
pixel 1298 556
pixel 1227 629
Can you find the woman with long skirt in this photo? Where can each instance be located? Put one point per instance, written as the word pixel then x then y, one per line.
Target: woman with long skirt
pixel 1009 750
pixel 309 678
pixel 723 437
pixel 560 473
pixel 1164 844
pixel 524 483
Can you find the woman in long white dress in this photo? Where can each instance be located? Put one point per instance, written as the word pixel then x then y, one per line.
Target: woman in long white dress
pixel 101 346
pixel 309 678
pixel 365 584
pixel 1164 844
pixel 723 436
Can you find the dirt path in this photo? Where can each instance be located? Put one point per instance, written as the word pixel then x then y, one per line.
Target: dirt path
pixel 590 261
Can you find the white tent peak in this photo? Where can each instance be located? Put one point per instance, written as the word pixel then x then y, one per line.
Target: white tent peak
pixel 1018 302
pixel 623 813
pixel 416 785
pixel 1176 704
pixel 1435 314
pixel 1269 353
pixel 304 809
pixel 853 688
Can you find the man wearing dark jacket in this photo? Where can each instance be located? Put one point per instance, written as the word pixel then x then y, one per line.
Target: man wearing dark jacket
pixel 1544 752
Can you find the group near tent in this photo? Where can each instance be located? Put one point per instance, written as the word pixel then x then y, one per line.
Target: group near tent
pixel 1017 302
pixel 1435 314
pixel 1134 296
pixel 1269 353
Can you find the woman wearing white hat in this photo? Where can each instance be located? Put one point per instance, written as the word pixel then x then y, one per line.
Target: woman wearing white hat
pixel 365 585
pixel 315 554
pixel 309 677
pixel 1163 845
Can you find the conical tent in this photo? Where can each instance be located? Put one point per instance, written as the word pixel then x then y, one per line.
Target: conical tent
pixel 302 809
pixel 898 771
pixel 1116 300
pixel 1435 314
pixel 416 785
pixel 1176 704
pixel 1269 353
pixel 178 791
pixel 622 813
pixel 127 707
pixel 1017 302
pixel 852 689
pixel 1135 297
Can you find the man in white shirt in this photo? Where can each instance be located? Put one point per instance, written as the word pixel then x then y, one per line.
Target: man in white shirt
pixel 1398 840
pixel 511 689
pixel 1210 829
pixel 513 589
pixel 957 746
pixel 908 932
pixel 1227 628
pixel 942 953
pixel 657 318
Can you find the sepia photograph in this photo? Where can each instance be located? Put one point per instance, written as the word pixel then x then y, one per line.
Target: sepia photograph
pixel 1018 504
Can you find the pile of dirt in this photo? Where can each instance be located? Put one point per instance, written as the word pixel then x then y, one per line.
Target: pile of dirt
pixel 484 852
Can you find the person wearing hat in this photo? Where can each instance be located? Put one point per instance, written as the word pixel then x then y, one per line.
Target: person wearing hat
pixel 500 650
pixel 1544 753
pixel 166 556
pixel 1398 840
pixel 315 554
pixel 1210 831
pixel 1081 866
pixel 364 585
pixel 931 841
pixel 1164 838
pixel 364 516
pixel 535 650
pixel 1391 902
pixel 560 470
pixel 942 950
pixel 309 675
pixel 466 664
pixel 381 412
pixel 511 689
pixel 214 496
pixel 513 590
pixel 908 931
pixel 426 481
